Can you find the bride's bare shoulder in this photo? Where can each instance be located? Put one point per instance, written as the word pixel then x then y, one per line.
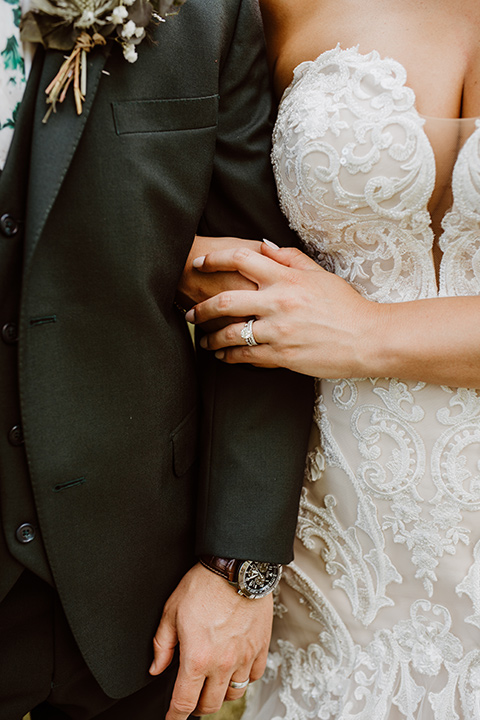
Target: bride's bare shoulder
pixel 276 14
pixel 284 24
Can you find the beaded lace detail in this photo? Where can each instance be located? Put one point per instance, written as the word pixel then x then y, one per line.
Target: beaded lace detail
pixel 355 172
pixel 379 616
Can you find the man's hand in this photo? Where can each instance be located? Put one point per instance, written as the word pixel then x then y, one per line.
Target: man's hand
pixel 194 286
pixel 222 637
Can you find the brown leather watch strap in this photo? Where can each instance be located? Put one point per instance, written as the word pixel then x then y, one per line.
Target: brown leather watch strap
pixel 225 567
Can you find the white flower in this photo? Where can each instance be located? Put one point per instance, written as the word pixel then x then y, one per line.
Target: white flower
pixel 129 52
pixel 140 32
pixel 128 2
pixel 118 15
pixel 129 29
pixel 86 20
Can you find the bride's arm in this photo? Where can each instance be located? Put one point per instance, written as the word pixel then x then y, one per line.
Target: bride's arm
pixel 313 322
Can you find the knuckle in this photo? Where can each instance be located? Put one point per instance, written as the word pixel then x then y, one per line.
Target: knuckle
pixel 225 665
pixel 246 353
pixel 288 303
pixel 283 329
pixel 208 709
pixel 293 278
pixel 256 674
pixel 240 254
pixel 183 706
pixel 198 664
pixel 231 334
pixel 224 301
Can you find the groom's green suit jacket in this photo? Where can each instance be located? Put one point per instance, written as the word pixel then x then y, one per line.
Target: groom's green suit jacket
pixel 136 455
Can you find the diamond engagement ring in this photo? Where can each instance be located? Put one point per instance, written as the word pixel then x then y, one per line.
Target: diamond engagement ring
pixel 247 333
pixel 238 685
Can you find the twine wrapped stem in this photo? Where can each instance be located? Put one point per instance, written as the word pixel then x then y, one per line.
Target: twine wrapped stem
pixel 73 69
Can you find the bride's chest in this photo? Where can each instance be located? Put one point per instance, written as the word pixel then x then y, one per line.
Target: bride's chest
pixel 367 180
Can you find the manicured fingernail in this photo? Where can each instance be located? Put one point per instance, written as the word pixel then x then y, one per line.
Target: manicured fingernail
pixel 198 262
pixel 270 244
pixel 220 354
pixel 190 315
pixel 203 342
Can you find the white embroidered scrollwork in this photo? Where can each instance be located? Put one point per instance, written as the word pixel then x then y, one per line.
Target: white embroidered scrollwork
pixel 379 616
pixel 460 268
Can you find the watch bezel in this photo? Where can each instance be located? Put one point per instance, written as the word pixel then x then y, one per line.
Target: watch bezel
pixel 242 586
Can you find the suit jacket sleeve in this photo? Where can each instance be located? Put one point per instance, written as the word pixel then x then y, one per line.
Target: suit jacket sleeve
pixel 255 422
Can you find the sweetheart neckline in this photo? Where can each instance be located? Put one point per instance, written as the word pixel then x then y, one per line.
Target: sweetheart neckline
pixel 297 74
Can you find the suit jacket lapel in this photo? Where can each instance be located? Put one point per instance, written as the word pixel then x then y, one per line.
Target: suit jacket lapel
pixel 54 143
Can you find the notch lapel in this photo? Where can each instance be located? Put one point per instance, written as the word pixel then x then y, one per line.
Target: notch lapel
pixel 54 143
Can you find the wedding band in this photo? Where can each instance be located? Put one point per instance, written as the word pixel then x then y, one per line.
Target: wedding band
pixel 247 333
pixel 238 685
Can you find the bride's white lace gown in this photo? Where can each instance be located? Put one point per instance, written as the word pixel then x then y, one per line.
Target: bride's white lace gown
pixel 379 615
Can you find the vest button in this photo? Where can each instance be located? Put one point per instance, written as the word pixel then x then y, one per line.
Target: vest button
pixel 25 533
pixel 8 225
pixel 15 436
pixel 10 333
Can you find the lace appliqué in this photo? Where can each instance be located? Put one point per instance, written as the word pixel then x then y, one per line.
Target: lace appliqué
pixel 391 499
pixel 355 172
pixel 316 682
pixel 460 268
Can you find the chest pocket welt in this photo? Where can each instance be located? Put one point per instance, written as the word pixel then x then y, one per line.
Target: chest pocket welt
pixel 165 115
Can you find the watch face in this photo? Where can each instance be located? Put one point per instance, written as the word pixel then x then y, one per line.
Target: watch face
pixel 257 579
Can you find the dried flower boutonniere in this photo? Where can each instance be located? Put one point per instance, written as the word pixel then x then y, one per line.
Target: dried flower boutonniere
pixel 79 25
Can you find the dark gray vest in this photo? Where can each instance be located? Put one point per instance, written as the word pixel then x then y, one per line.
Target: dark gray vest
pixel 20 540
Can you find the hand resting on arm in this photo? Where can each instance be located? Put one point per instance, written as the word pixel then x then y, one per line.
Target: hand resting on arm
pixel 313 322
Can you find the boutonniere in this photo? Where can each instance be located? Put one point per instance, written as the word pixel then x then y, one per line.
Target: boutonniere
pixel 79 25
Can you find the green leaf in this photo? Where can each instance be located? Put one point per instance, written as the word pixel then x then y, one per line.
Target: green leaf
pixel 17 15
pixel 12 58
pixel 10 123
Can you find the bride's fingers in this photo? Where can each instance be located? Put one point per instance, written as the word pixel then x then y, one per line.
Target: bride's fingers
pixel 260 269
pixel 259 355
pixel 231 336
pixel 236 303
pixel 290 257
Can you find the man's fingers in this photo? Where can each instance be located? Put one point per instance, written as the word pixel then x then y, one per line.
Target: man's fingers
pixel 164 644
pixel 212 697
pixel 185 696
pixel 258 667
pixel 239 676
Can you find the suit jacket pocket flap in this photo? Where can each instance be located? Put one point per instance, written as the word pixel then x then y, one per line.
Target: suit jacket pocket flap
pixel 144 116
pixel 184 444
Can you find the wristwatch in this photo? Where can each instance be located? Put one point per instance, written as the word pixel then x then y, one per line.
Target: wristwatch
pixel 250 578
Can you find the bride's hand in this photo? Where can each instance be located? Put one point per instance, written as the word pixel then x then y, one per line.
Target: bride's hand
pixel 306 319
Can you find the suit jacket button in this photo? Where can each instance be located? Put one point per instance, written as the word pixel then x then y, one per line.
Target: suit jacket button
pixel 15 436
pixel 10 333
pixel 25 533
pixel 8 225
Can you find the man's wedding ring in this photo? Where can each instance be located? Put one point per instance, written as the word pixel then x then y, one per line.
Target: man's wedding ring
pixel 238 685
pixel 247 333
